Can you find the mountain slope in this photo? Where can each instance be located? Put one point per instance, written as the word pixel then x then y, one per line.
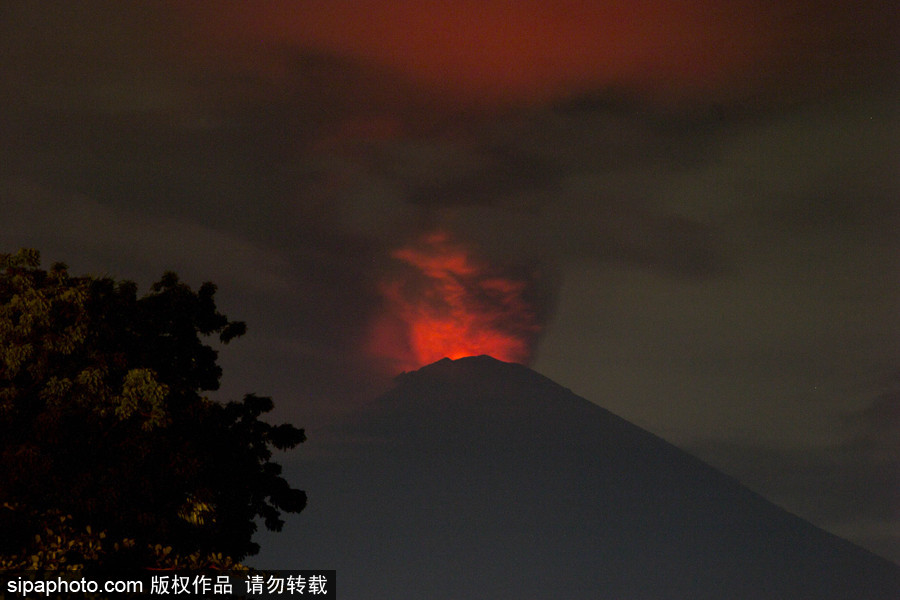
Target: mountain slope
pixel 481 479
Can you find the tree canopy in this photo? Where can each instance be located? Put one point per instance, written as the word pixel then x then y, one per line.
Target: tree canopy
pixel 110 454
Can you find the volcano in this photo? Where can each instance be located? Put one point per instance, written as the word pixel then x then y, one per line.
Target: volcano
pixel 474 478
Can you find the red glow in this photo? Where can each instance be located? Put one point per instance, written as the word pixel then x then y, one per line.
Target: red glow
pixel 496 52
pixel 446 303
pixel 490 51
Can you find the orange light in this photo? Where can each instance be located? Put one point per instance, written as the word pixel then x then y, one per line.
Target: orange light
pixel 443 302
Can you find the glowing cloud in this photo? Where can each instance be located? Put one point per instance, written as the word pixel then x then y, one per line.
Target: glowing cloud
pixel 496 51
pixel 444 302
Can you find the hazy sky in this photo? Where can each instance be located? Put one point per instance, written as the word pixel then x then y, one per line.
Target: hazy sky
pixel 686 212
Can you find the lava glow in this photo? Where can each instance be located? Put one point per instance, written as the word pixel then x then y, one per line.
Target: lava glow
pixel 443 302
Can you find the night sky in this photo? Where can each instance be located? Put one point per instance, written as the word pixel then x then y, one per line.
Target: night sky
pixel 686 212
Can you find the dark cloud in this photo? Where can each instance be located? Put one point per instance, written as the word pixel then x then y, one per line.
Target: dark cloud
pixel 876 430
pixel 328 136
pixel 499 175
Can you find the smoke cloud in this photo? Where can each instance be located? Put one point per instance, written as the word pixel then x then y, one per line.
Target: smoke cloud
pixel 444 301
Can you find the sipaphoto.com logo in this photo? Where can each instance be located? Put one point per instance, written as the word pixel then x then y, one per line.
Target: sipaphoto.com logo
pixel 27 587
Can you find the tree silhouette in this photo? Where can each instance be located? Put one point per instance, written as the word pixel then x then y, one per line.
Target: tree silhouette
pixel 109 453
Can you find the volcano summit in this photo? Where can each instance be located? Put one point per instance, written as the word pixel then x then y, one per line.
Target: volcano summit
pixel 476 478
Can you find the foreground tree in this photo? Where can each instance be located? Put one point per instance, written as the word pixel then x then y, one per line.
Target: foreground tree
pixel 109 453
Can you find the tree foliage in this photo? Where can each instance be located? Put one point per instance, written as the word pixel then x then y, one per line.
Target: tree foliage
pixel 109 452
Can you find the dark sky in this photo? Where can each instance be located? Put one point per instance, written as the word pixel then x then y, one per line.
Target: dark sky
pixel 686 212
